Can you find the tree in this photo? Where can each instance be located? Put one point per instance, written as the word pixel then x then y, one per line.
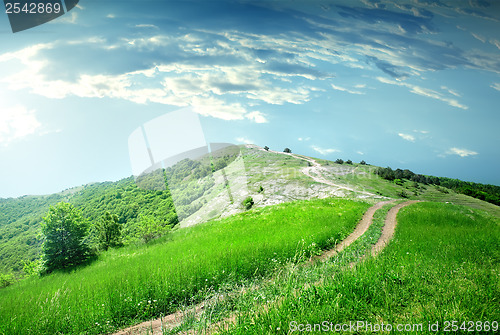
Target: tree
pixel 108 231
pixel 287 150
pixel 339 161
pixel 266 148
pixel 348 161
pixel 150 228
pixel 65 231
pixel 362 162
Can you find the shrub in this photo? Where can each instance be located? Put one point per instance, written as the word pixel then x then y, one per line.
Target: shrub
pixel 287 150
pixel 6 280
pixel 339 161
pixel 349 161
pixel 150 228
pixel 248 203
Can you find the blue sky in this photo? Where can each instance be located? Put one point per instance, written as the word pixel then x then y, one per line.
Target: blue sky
pixel 410 84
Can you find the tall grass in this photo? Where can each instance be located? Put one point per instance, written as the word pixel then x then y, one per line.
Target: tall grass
pixel 136 283
pixel 442 266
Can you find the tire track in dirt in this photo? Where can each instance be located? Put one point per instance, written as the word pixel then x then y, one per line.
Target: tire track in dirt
pixel 360 229
pixel 389 227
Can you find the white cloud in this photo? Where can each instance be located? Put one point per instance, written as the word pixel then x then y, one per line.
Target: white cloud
pixel 258 117
pixel 360 152
pixel 244 140
pixel 342 89
pixel 111 16
pixel 146 26
pixel 479 37
pixel 17 122
pixel 180 84
pixel 461 152
pixel 495 43
pixel 496 86
pixel 407 137
pixel 453 92
pixel 323 151
pixel 424 92
pixel 421 131
pixel 303 139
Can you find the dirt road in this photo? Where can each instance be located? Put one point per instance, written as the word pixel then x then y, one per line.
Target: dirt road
pixel 175 319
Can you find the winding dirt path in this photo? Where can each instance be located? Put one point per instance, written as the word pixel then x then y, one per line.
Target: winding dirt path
pixel 175 319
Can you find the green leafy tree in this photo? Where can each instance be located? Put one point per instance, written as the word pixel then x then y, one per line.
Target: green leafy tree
pixel 348 161
pixel 65 231
pixel 109 231
pixel 362 162
pixel 266 148
pixel 287 150
pixel 150 228
pixel 339 161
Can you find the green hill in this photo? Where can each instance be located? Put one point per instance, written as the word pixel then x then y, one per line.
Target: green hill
pixel 253 265
pixel 269 177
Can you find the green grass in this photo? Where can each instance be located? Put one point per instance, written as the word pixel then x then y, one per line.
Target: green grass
pixel 251 295
pixel 137 283
pixel 442 265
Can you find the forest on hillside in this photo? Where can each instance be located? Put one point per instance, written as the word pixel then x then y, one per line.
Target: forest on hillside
pixel 147 197
pixel 486 192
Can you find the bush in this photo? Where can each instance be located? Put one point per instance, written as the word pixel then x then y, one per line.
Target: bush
pixel 349 161
pixel 403 194
pixel 266 148
pixel 150 228
pixel 339 161
pixel 248 203
pixel 362 162
pixel 6 280
pixel 33 268
pixel 287 150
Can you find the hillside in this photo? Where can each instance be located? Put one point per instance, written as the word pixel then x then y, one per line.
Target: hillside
pixel 196 194
pixel 317 230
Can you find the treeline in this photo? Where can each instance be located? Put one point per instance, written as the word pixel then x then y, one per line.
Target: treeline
pixel 142 208
pixel 486 192
pixel 21 218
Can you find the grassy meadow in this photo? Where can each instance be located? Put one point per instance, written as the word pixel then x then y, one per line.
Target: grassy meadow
pixel 441 266
pixel 136 283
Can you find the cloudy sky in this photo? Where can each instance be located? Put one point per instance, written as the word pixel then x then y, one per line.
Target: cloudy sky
pixel 410 84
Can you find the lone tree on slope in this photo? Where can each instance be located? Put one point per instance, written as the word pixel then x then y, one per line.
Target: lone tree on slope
pixel 65 231
pixel 287 150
